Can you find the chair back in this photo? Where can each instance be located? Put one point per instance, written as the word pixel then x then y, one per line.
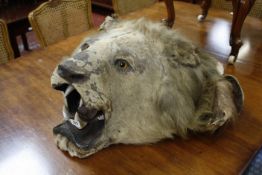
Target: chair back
pixel 6 51
pixel 125 6
pixel 56 20
pixel 256 10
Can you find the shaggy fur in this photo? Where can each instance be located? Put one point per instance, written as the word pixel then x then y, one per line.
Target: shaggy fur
pixel 168 87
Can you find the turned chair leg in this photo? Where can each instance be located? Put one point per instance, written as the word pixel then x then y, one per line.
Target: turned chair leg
pixel 240 11
pixel 170 13
pixel 24 40
pixel 205 5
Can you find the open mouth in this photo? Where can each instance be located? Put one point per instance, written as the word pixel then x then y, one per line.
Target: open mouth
pixel 82 125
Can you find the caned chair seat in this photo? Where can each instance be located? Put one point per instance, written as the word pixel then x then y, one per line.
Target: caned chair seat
pixel 125 6
pixel 56 20
pixel 6 51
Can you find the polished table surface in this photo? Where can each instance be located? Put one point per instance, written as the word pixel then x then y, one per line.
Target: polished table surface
pixel 30 108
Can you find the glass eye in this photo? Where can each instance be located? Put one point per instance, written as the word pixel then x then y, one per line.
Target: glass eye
pixel 122 65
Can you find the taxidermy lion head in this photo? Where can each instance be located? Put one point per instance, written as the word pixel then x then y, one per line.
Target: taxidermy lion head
pixel 139 82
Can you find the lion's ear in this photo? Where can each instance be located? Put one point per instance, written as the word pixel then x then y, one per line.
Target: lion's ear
pixel 220 103
pixel 238 95
pixel 182 52
pixel 109 22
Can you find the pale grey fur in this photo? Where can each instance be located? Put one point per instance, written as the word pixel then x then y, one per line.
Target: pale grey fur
pixel 171 88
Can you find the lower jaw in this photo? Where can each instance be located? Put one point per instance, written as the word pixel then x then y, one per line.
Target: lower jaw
pixel 84 138
pixel 65 145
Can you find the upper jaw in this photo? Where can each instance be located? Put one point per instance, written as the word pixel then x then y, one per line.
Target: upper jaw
pixel 83 125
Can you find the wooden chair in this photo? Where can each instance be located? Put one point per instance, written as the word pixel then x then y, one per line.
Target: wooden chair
pixel 56 20
pixel 241 9
pixel 6 51
pixel 255 11
pixel 125 6
pixel 122 7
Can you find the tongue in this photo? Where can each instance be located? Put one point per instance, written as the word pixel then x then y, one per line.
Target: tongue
pixel 84 138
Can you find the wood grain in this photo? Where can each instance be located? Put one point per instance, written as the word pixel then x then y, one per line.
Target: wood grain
pixel 30 108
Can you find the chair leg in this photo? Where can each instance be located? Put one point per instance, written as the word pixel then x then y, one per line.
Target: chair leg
pixel 170 12
pixel 25 43
pixel 240 11
pixel 205 5
pixel 14 45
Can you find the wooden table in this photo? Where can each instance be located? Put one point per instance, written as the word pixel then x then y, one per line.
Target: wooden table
pixel 30 108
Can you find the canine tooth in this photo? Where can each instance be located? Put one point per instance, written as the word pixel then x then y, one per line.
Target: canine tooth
pixel 81 102
pixel 101 117
pixel 78 122
pixel 69 90
pixel 77 118
pixel 66 114
pixel 75 123
pixel 65 101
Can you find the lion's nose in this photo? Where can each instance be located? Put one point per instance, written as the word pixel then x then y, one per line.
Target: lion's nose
pixel 70 73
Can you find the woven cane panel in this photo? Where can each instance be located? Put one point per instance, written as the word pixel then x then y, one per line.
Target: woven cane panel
pixel 77 18
pixel 63 20
pixel 51 25
pixel 126 6
pixel 222 4
pixel 256 10
pixel 3 50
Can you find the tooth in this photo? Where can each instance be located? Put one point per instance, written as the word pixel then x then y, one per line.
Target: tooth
pixel 77 116
pixel 65 102
pixel 101 117
pixel 75 123
pixel 69 90
pixel 81 102
pixel 66 114
pixel 78 122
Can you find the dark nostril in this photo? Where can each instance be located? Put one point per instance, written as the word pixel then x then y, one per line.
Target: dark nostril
pixel 60 87
pixel 84 46
pixel 69 74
